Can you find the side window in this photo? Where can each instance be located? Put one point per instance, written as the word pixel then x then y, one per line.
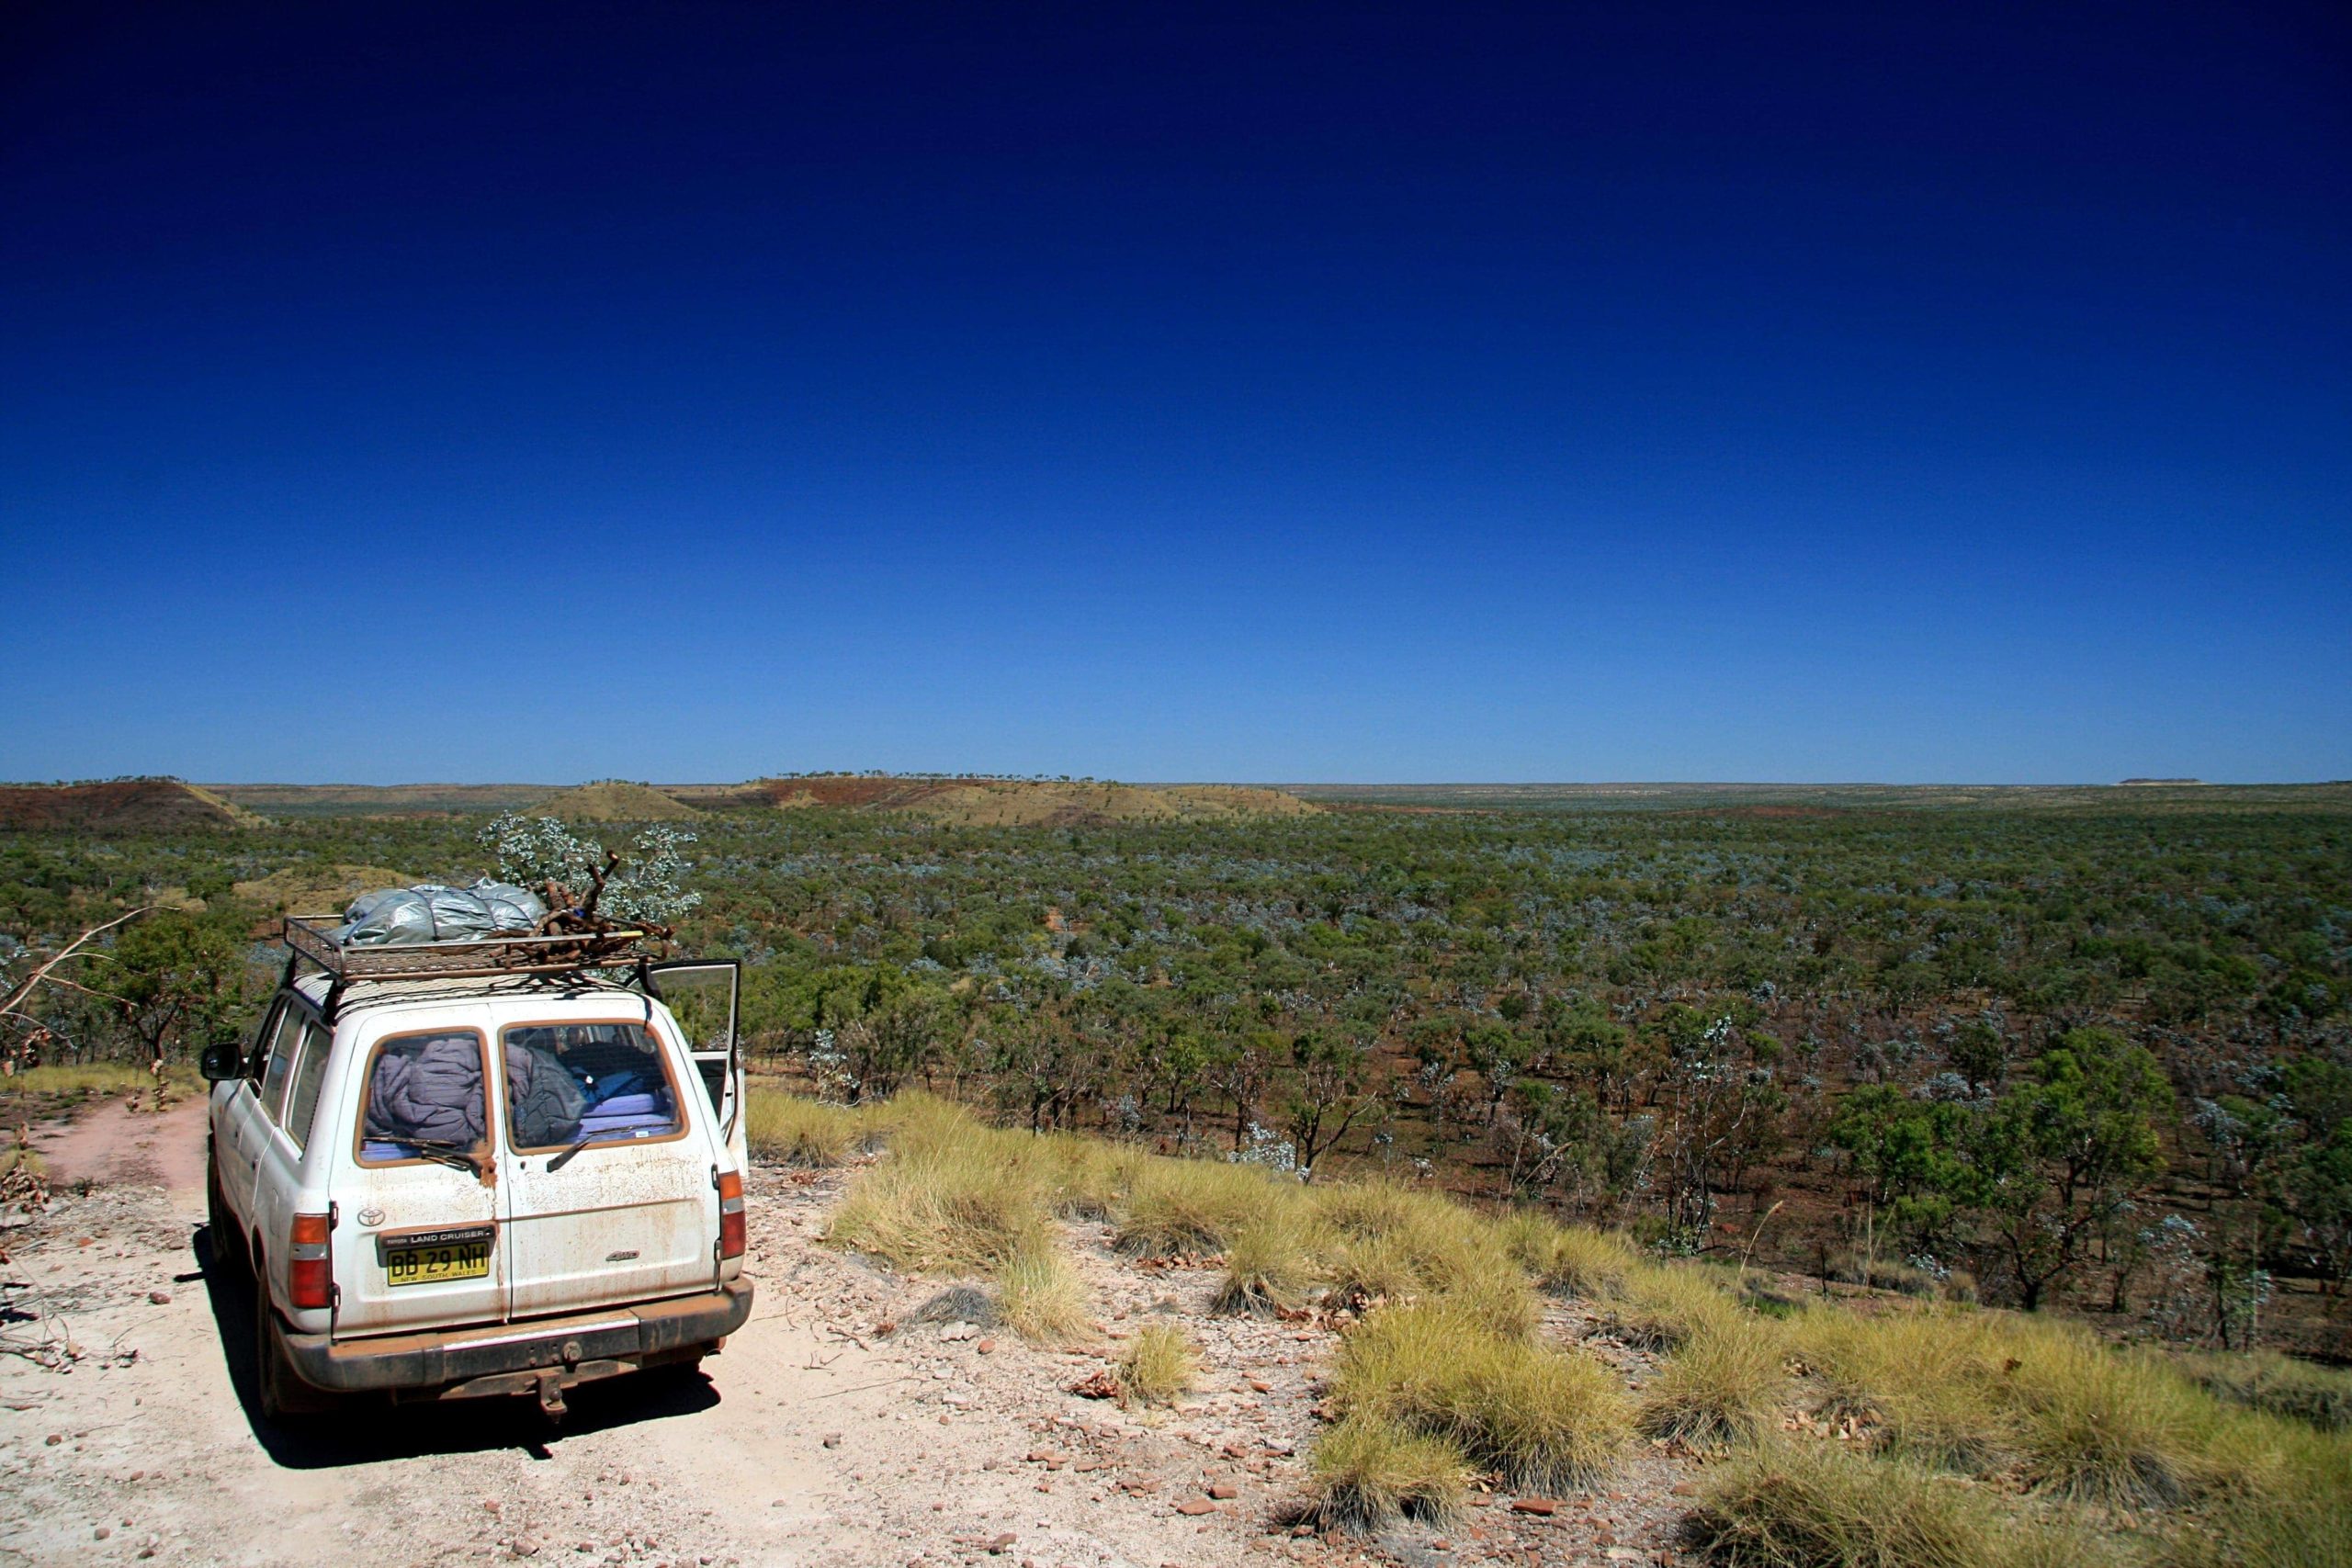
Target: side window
pixel 597 1082
pixel 424 1091
pixel 269 1028
pixel 281 1060
pixel 303 1104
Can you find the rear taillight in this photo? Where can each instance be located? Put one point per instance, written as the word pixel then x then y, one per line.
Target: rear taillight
pixel 730 1215
pixel 309 1262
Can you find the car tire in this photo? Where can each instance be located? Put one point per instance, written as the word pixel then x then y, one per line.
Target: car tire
pixel 281 1391
pixel 221 1240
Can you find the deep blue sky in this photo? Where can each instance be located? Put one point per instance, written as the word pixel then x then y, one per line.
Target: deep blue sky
pixel 693 392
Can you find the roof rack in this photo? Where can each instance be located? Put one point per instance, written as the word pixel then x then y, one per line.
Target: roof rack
pixel 308 936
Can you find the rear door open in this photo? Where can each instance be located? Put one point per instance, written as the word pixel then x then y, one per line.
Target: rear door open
pixel 704 997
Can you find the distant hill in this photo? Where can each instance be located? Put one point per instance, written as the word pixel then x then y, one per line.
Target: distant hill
pixel 383 800
pixel 1001 803
pixel 120 806
pixel 616 800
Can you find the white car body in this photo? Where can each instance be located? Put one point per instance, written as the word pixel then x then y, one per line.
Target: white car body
pixel 562 1266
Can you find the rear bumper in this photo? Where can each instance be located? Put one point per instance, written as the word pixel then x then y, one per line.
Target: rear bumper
pixel 515 1357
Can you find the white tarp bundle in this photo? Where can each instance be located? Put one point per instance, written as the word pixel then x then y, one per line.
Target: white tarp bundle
pixel 432 911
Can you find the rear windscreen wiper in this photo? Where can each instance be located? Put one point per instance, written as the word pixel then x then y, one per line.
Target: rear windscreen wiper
pixel 456 1156
pixel 559 1161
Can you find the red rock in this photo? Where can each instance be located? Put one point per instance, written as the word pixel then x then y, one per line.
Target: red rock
pixel 998 1547
pixel 1196 1505
pixel 1224 1492
pixel 986 1347
pixel 1542 1507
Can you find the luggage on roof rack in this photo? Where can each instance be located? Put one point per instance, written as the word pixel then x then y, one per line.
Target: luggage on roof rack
pixel 312 937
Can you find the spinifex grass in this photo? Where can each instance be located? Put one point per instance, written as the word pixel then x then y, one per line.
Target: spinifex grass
pixel 1663 1306
pixel 1039 1294
pixel 797 1131
pixel 1193 1206
pixel 1157 1367
pixel 1725 1384
pixel 1817 1506
pixel 1542 1418
pixel 1273 1263
pixel 1369 1470
pixel 1570 1261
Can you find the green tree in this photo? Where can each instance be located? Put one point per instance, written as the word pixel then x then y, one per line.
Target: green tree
pixel 2050 1167
pixel 178 978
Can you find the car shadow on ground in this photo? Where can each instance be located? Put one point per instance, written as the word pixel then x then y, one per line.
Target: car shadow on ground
pixel 367 1429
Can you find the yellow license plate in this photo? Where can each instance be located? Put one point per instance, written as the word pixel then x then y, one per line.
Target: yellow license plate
pixel 432 1264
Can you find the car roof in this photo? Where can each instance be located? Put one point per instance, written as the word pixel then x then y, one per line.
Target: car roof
pixel 432 992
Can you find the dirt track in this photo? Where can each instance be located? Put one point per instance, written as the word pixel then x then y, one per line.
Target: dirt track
pixel 812 1441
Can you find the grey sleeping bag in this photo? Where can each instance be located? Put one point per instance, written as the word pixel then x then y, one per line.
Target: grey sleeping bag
pixel 433 1092
pixel 542 1097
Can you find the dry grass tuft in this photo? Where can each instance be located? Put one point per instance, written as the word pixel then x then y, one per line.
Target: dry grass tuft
pixel 1543 1418
pixel 1664 1304
pixel 1157 1367
pixel 1814 1506
pixel 1089 1175
pixel 1273 1263
pixel 1369 1472
pixel 2265 1380
pixel 1193 1207
pixel 2105 1426
pixel 1725 1385
pixel 945 1207
pixel 1405 1245
pixel 2293 1519
pixel 1039 1294
pixel 1928 1382
pixel 797 1131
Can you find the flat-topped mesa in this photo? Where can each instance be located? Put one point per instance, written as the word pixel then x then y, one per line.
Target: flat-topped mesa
pixel 118 805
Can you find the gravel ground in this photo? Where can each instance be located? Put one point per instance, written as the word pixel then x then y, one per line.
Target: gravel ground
pixel 839 1428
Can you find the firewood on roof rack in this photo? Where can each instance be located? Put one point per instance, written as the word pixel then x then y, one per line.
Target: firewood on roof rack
pixel 606 946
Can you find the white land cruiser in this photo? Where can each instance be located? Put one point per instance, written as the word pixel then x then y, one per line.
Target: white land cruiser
pixel 501 1166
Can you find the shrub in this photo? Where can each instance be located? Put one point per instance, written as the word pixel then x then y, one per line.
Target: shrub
pixel 1369 1471
pixel 1157 1367
pixel 1815 1506
pixel 797 1131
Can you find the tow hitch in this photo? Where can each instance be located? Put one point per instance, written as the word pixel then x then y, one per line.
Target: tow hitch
pixel 552 1395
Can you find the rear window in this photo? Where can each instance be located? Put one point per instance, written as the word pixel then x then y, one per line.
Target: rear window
pixel 569 1083
pixel 424 1091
